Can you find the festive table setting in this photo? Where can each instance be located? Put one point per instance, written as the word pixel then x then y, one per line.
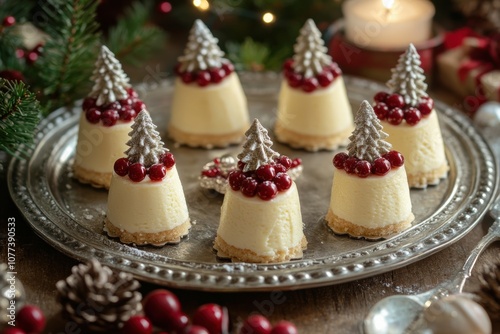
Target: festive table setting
pixel 162 174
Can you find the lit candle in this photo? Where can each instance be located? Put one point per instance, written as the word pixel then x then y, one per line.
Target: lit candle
pixel 391 24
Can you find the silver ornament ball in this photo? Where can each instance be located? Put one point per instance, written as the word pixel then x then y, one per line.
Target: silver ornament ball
pixel 488 115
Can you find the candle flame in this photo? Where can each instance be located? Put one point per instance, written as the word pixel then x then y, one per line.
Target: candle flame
pixel 388 4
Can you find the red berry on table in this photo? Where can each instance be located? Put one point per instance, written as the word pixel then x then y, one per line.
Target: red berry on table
pixel 395 158
pixel 265 172
pixel 9 21
pixel 88 102
pixel 256 324
pixel 159 303
pixel 294 80
pixel 212 317
pixel 194 329
pixel 121 166
pixel 325 78
pixel 127 114
pixel 188 77
pixel 136 172
pixel 381 166
pixel 267 190
pixel 110 117
pixel 395 116
pixel 31 57
pixel 168 160
pixel 31 319
pixel 381 110
pixel 249 187
pixel 93 115
pixel 339 160
pixel 412 116
pixel 216 161
pixel 212 172
pixel 310 84
pixel 137 324
pixel 284 327
pixel 363 168
pixel 285 161
pixel 176 322
pixel 217 74
pixel 157 172
pixel 283 181
pixel 288 64
pixel 203 78
pixel 381 97
pixel 132 93
pixel 350 165
pixel 138 106
pixel 395 101
pixel 296 162
pixel 13 330
pixel 228 68
pixel 235 179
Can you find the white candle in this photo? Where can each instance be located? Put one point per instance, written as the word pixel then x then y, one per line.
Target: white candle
pixel 391 24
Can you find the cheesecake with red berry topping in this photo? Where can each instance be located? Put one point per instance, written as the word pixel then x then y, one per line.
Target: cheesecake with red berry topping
pixel 370 196
pixel 261 220
pixel 209 107
pixel 408 116
pixel 104 124
pixel 313 110
pixel 146 203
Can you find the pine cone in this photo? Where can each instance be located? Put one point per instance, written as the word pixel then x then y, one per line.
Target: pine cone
pixel 97 298
pixel 489 292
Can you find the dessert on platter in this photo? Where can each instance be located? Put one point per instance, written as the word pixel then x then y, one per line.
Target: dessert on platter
pixel 370 195
pixel 108 112
pixel 409 118
pixel 313 110
pixel 261 220
pixel 209 107
pixel 146 203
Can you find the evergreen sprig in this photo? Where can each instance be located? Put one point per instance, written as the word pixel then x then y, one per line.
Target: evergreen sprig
pixel 19 116
pixel 133 39
pixel 69 54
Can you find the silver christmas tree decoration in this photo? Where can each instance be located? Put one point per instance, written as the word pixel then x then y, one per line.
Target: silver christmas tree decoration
pixel 310 52
pixel 367 140
pixel 408 77
pixel 145 144
pixel 202 51
pixel 110 81
pixel 257 148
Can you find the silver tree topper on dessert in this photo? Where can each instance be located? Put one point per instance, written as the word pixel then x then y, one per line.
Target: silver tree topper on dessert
pixel 310 52
pixel 367 140
pixel 408 77
pixel 110 81
pixel 202 51
pixel 257 148
pixel 145 145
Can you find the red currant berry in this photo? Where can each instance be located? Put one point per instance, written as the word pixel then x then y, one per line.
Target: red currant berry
pixel 395 101
pixel 177 323
pixel 138 106
pixel 288 64
pixel 113 105
pixel 294 80
pixel 241 165
pixel 157 172
pixel 31 57
pixel 284 327
pixel 395 116
pixel 159 303
pixel 194 329
pixel 325 78
pixel 212 172
pixel 121 166
pixel 310 85
pixel 267 190
pixel 395 158
pixel 168 160
pixel 217 74
pixel 412 116
pixel 426 106
pixel 137 324
pixel 363 168
pixel 125 102
pixel 228 67
pixel 350 165
pixel 256 324
pixel 136 172
pixel 381 166
pixel 9 21
pixel 93 115
pixel 283 181
pixel 216 161
pixel 31 319
pixel 285 161
pixel 203 78
pixel 380 97
pixel 249 187
pixel 132 93
pixel 13 330
pixel 296 162
pixel 127 114
pixel 88 102
pixel 381 110
pixel 110 117
pixel 212 317
pixel 188 77
pixel 235 179
pixel 279 168
pixel 339 160
pixel 335 70
pixel 265 172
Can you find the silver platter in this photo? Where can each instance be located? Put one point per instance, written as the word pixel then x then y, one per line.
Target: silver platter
pixel 69 216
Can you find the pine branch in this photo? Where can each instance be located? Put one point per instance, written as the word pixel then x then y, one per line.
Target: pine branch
pixel 19 116
pixel 69 54
pixel 132 39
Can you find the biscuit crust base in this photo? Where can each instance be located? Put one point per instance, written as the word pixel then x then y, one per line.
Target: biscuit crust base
pixel 227 251
pixel 342 226
pixel 311 143
pixel 206 141
pixel 95 179
pixel 172 236
pixel 422 180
